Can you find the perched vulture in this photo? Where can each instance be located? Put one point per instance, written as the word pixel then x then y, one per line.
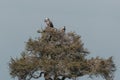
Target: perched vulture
pixel 63 29
pixel 48 22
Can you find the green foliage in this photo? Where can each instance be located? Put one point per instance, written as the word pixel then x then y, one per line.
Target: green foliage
pixel 57 53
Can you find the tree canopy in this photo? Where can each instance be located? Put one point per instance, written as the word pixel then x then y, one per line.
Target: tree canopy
pixel 58 53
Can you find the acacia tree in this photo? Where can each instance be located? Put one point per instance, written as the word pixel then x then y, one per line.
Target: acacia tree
pixel 58 53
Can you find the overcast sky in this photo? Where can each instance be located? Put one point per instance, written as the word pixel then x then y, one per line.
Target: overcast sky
pixel 97 21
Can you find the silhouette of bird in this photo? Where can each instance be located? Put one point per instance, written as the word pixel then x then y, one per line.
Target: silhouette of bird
pixel 63 29
pixel 48 22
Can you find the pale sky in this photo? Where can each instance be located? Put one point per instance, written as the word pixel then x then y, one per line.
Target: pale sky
pixel 97 21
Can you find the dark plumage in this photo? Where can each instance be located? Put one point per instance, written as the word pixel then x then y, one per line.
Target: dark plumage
pixel 63 29
pixel 48 22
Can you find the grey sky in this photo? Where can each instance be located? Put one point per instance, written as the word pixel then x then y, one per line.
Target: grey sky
pixel 97 21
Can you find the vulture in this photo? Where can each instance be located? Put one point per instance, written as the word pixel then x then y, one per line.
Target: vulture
pixel 63 29
pixel 48 22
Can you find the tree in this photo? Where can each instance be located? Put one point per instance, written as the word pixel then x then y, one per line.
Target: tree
pixel 58 53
